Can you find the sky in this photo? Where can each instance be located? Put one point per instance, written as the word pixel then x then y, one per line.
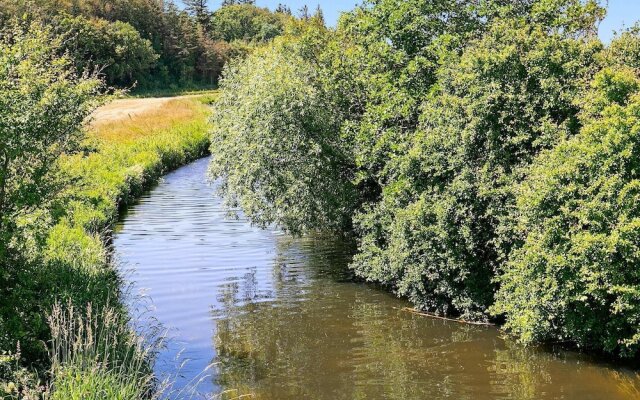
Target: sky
pixel 621 13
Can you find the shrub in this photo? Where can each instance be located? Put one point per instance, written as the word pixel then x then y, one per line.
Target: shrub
pixel 575 276
pixel 115 49
pixel 43 103
pixel 246 22
pixel 436 235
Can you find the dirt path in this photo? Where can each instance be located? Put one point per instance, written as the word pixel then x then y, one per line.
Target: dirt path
pixel 128 108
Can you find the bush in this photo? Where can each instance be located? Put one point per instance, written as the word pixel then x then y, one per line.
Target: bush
pixel 43 104
pixel 436 235
pixel 575 276
pixel 115 49
pixel 246 22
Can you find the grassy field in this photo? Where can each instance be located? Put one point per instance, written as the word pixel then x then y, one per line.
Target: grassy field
pixel 75 329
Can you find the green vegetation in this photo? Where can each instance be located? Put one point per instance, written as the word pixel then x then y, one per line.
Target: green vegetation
pixel 151 43
pixel 117 47
pixel 277 148
pixel 575 275
pixel 483 153
pixel 95 356
pixel 241 22
pixel 60 194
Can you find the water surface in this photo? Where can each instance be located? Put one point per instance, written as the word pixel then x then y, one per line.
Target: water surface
pixel 280 318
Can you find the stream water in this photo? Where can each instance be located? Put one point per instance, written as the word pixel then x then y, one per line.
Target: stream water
pixel 280 318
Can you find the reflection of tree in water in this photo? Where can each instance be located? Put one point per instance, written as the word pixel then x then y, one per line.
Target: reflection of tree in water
pixel 524 373
pixel 256 340
pixel 320 336
pixel 628 384
pixel 519 372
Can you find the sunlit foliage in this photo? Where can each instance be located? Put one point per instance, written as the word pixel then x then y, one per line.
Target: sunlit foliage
pixel 489 146
pixel 276 143
pixel 151 43
pixel 116 50
pixel 575 275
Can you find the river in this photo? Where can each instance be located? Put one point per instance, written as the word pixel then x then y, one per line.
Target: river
pixel 280 318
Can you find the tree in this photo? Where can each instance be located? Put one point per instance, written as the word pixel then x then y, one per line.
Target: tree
pixel 304 14
pixel 276 144
pixel 246 22
pixel 43 105
pixel 199 9
pixel 115 49
pixel 34 78
pixel 283 9
pixel 318 16
pixel 237 2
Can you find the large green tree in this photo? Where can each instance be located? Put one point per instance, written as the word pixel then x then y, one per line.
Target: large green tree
pixel 574 276
pixel 115 49
pixel 246 22
pixel 276 143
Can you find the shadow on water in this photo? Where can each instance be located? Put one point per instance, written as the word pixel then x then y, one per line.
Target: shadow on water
pixel 281 318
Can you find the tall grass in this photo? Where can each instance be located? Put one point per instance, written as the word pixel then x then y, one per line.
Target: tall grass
pixel 95 355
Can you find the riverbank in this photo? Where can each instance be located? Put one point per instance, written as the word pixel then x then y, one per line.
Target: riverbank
pixel 70 295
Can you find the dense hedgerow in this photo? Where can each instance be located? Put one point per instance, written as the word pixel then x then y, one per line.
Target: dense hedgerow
pixel 490 147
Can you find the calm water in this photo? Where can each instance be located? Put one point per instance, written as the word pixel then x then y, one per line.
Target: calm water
pixel 279 318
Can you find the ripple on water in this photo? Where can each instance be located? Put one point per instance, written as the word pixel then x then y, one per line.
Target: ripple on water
pixel 281 319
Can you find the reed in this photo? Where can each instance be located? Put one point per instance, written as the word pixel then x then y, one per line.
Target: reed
pixel 96 355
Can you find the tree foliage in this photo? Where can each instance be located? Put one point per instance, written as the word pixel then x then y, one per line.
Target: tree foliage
pixel 152 43
pixel 508 95
pixel 115 49
pixel 573 276
pixel 276 144
pixel 489 152
pixel 246 22
pixel 43 103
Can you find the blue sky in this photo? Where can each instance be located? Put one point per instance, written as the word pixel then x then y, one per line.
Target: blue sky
pixel 621 12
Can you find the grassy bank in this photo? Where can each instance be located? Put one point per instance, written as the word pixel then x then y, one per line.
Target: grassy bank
pixel 69 295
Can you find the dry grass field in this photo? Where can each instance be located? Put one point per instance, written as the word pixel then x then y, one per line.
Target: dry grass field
pixel 132 119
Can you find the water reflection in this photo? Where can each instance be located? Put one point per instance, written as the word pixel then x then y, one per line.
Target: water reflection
pixel 321 336
pixel 281 318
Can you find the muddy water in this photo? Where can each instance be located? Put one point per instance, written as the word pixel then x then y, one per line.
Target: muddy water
pixel 280 318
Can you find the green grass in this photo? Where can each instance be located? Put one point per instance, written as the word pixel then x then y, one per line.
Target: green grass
pixel 96 356
pixel 122 159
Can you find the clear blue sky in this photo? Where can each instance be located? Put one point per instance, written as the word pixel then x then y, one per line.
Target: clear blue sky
pixel 620 13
